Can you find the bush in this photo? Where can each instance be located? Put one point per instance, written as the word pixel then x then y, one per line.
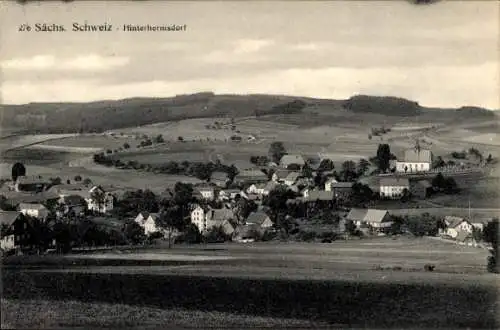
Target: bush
pixel 429 267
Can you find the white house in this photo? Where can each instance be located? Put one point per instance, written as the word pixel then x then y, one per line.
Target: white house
pixel 149 222
pixel 328 184
pixel 257 189
pixel 456 225
pixel 415 160
pixel 206 218
pixel 207 192
pixel 229 194
pixel 34 210
pixel 393 187
pixel 99 200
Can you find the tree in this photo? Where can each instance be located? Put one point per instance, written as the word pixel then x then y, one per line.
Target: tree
pixel 180 139
pixel 87 182
pixel 159 139
pixel 363 166
pixel 171 218
pixel 216 235
pixel 406 195
pixel 326 165
pixel 489 159
pixel 276 151
pixel 18 170
pixel 438 182
pixel 383 157
pixel 243 208
pixel 438 162
pixel 490 235
pixel 99 196
pixel 134 233
pixel 307 171
pixel 126 146
pixel 78 178
pixel 348 171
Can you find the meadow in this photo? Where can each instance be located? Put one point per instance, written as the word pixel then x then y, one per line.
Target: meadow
pixel 337 284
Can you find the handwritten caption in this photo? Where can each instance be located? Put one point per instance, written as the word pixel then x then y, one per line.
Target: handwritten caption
pixel 105 27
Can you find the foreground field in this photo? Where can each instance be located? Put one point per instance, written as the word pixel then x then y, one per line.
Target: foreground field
pixel 266 284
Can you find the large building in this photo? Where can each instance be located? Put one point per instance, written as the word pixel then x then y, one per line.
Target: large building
pixel 393 187
pixel 415 160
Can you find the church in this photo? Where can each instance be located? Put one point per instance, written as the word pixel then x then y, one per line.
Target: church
pixel 415 160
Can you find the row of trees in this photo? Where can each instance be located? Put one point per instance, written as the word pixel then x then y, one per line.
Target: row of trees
pixel 202 171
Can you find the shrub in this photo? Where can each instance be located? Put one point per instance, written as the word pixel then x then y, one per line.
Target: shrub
pixel 429 267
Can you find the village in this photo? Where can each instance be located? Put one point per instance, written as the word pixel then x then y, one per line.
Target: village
pixel 283 197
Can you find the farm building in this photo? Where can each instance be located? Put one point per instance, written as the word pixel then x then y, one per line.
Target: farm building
pixel 35 210
pixel 415 160
pixel 251 176
pixel 342 189
pixel 33 184
pixel 288 160
pixel 421 189
pixel 205 218
pixel 220 179
pixel 393 187
pixel 455 225
pixel 19 231
pixel 72 204
pixel 259 218
pixel 378 220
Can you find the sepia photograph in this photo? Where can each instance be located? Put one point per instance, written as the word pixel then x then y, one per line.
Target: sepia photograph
pixel 250 164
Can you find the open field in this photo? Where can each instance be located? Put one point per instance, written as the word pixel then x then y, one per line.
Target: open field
pixel 333 283
pixel 95 141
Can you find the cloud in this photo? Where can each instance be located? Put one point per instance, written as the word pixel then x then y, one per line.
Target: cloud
pixel 91 62
pixel 240 51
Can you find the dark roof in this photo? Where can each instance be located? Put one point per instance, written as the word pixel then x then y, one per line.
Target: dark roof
pixel 257 218
pixel 8 217
pixel 367 215
pixel 321 195
pixel 394 182
pixel 453 221
pixel 342 184
pixel 32 179
pixel 281 174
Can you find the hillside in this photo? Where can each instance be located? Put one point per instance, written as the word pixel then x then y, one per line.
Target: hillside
pixel 105 115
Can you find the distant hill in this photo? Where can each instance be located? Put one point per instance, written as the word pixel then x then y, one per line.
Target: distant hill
pixel 105 115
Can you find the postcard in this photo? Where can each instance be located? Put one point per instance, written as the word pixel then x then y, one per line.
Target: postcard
pixel 249 164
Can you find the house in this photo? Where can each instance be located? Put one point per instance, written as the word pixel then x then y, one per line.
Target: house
pixel 288 160
pixel 229 194
pixel 149 222
pixel 72 204
pixel 207 218
pixel 8 235
pixel 377 220
pixel 250 176
pixel 280 175
pixel 206 192
pixel 99 200
pixel 32 184
pixel 220 179
pixel 341 189
pixel 329 182
pixel 35 210
pixel 256 188
pixel 247 233
pixel 261 219
pixel 19 229
pixel 455 225
pixel 310 195
pixel 291 178
pixel 393 187
pixel 14 198
pixel 415 160
pixel 421 188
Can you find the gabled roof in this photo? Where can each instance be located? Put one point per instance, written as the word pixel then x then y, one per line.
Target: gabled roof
pixel 257 218
pixel 247 231
pixel 271 185
pixel 453 221
pixel 220 214
pixel 292 159
pixel 282 174
pixel 415 155
pixel 221 176
pixel 321 195
pixel 230 191
pixel 8 217
pixel 394 182
pixel 367 215
pixel 31 206
pixel 292 176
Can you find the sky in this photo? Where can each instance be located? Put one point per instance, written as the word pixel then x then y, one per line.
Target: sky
pixel 443 55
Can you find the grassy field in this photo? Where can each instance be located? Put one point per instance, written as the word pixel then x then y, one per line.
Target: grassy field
pixel 265 284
